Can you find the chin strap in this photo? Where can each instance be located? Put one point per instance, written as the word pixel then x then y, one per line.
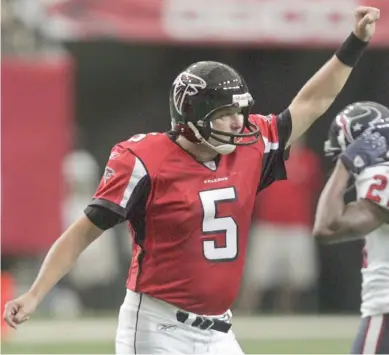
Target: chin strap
pixel 221 149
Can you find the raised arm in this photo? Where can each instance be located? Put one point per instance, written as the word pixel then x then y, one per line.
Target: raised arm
pixel 317 95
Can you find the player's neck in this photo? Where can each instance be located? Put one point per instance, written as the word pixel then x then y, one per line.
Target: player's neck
pixel 201 152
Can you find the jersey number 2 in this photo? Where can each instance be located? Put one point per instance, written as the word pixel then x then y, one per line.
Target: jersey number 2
pixel 213 225
pixel 374 190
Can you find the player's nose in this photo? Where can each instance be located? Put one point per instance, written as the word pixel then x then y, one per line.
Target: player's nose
pixel 236 122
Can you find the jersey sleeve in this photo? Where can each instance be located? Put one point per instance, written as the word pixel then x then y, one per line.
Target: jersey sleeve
pixel 124 185
pixel 373 184
pixel 276 130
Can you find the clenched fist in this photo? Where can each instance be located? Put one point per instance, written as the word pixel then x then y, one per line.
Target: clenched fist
pixel 18 310
pixel 365 19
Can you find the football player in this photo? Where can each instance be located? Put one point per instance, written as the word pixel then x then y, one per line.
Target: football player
pixel 359 138
pixel 188 196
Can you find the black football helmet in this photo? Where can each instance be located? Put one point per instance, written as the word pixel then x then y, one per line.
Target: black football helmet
pixel 201 90
pixel 351 122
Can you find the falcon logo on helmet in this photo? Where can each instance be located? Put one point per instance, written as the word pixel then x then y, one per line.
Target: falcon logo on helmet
pixel 201 91
pixel 186 84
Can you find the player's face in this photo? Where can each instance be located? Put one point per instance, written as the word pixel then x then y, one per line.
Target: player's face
pixel 229 120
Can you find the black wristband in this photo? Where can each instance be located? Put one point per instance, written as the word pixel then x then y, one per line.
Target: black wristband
pixel 351 50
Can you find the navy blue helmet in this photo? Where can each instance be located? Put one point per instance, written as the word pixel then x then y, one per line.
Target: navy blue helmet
pixel 352 121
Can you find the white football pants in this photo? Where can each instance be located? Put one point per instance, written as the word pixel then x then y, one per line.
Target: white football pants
pixel 149 326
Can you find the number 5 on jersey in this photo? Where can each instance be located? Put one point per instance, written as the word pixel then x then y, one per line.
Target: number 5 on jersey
pixel 213 224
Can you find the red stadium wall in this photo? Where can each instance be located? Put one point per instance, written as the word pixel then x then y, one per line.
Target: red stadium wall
pixel 36 116
pixel 252 23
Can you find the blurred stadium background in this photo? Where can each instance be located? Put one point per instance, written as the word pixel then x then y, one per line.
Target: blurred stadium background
pixel 80 75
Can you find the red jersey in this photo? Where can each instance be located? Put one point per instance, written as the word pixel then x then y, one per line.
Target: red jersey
pixel 190 221
pixel 292 202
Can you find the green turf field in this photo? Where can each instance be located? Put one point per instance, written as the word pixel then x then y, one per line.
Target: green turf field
pixel 249 346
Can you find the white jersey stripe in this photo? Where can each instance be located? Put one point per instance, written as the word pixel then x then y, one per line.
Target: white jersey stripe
pixel 270 145
pixel 373 334
pixel 138 173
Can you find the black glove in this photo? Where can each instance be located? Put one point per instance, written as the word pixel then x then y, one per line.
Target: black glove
pixel 367 150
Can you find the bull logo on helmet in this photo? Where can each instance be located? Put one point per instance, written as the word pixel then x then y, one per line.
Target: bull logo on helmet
pixel 353 126
pixel 186 84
